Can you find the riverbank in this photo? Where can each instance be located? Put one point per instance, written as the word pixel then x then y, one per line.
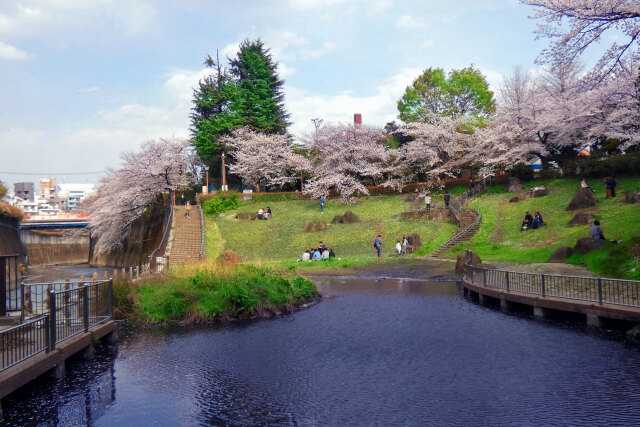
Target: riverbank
pixel 223 294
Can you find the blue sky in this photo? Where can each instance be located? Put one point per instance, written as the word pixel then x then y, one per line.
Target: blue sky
pixel 83 81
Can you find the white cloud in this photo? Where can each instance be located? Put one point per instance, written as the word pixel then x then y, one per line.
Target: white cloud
pixel 89 89
pixel 408 21
pixel 12 53
pixel 181 83
pixel 229 51
pixel 377 109
pixel 427 44
pixel 284 70
pixel 326 48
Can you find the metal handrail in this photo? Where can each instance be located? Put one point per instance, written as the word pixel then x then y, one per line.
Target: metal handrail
pixel 600 290
pixel 166 228
pixel 201 229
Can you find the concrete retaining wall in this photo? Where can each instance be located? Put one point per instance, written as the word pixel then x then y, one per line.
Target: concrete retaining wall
pixel 10 237
pixel 56 247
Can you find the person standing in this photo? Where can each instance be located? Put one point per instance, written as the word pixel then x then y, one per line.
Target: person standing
pixel 608 184
pixel 405 242
pixel 447 198
pixel 321 204
pixel 427 201
pixel 187 209
pixel 613 186
pixel 378 245
pixel 399 248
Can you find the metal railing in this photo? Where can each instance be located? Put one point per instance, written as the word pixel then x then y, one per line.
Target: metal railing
pixel 165 233
pixel 65 310
pixel 23 341
pixel 201 231
pixel 600 290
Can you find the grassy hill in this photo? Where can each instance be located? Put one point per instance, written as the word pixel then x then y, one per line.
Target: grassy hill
pixel 284 238
pixel 500 239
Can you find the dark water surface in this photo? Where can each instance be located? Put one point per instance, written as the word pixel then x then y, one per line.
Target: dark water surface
pixel 382 352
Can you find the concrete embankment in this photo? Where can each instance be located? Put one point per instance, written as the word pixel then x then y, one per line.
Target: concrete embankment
pixel 10 237
pixel 56 247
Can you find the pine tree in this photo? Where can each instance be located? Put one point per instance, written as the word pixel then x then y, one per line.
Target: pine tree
pixel 212 115
pixel 260 100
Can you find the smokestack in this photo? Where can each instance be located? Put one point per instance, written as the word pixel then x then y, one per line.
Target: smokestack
pixel 357 119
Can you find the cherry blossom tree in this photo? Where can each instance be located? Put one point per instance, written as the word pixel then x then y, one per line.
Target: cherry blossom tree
pixel 159 167
pixel 575 25
pixel 343 155
pixel 264 157
pixel 436 147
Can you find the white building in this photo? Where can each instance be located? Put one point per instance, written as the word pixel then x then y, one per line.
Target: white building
pixel 75 193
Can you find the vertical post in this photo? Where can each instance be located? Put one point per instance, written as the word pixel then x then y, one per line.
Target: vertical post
pixel 544 291
pixel 3 286
pixel 507 273
pixel 484 276
pixel 301 182
pixel 52 319
pixel 600 290
pixel 47 333
pixel 207 169
pixel 85 307
pixel 224 175
pixel 21 302
pixel 110 298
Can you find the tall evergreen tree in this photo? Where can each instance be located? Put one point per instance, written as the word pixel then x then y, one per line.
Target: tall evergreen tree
pixel 260 100
pixel 212 114
pixel 248 94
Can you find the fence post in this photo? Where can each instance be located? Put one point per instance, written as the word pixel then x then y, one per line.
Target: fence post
pixel 85 308
pixel 600 290
pixel 507 281
pixel 111 298
pixel 21 302
pixel 52 319
pixel 484 276
pixel 544 292
pixel 47 334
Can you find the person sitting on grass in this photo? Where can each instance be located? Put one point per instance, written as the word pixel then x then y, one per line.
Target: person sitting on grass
pixel 325 254
pixel 306 256
pixel 596 231
pixel 527 223
pixel 260 213
pixel 332 254
pixel 267 214
pixel 537 221
pixel 317 256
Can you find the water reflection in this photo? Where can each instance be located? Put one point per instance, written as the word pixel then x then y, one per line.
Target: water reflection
pixel 384 351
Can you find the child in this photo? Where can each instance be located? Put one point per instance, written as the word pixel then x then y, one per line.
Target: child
pixel 399 248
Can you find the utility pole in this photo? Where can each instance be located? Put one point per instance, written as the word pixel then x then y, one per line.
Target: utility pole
pixel 224 175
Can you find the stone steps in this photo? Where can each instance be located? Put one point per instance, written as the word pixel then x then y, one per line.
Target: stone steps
pixel 187 236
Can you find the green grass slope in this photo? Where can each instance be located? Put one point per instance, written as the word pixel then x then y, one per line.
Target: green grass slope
pixel 283 237
pixel 500 239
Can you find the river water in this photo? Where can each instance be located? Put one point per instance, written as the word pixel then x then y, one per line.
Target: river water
pixel 373 352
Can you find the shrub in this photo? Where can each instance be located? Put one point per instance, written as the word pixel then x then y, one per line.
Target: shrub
pixel 599 167
pixel 221 202
pixel 10 211
pixel 277 197
pixel 522 172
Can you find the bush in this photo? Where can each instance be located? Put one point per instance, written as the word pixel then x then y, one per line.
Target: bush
pixel 11 211
pixel 522 172
pixel 277 197
pixel 221 202
pixel 600 167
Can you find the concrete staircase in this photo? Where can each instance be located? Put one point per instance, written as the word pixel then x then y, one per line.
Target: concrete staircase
pixel 187 236
pixel 469 224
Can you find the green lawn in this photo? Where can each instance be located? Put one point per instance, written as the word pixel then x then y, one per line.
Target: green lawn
pixel 500 238
pixel 283 237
